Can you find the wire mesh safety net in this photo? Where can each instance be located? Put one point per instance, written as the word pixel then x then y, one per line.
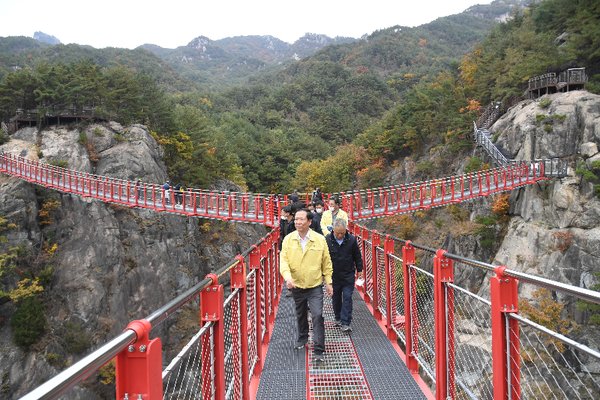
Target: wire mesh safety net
pixel 381 280
pixel 263 295
pixel 188 373
pixel 472 344
pixel 252 312
pixel 231 308
pixel 552 369
pixel 423 319
pixel 369 268
pixel 397 275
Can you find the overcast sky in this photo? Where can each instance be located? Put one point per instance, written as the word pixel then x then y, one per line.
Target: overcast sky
pixel 131 23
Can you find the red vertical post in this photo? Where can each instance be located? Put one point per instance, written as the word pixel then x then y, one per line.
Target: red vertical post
pixel 365 236
pixel 211 306
pixel 257 202
pixel 390 286
pixel 385 199
pixel 138 367
pixel 375 242
pixel 505 336
pixel 254 258
pixel 471 184
pixel 444 327
pixel 153 198
pixel 263 248
pixel 372 196
pixel 410 306
pixel 238 281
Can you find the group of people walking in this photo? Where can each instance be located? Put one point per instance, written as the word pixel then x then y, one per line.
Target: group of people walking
pixel 173 193
pixel 317 247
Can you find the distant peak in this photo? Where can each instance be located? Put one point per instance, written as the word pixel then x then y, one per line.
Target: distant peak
pixel 45 38
pixel 199 42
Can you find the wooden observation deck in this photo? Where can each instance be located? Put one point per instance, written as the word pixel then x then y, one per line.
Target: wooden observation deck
pixel 571 79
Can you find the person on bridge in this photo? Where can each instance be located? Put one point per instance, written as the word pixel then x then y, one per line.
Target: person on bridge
pixel 138 188
pixel 316 222
pixel 319 208
pixel 304 262
pixel 294 198
pixel 346 258
pixel 316 195
pixel 331 215
pixel 167 192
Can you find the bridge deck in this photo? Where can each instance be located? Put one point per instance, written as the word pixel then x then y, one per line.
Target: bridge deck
pixel 353 365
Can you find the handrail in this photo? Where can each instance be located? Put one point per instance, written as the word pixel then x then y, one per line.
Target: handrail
pixel 60 384
pixel 57 386
pixel 582 293
pixel 556 335
pixel 491 149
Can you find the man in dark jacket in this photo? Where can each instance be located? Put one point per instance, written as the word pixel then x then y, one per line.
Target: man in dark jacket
pixel 319 208
pixel 295 198
pixel 346 257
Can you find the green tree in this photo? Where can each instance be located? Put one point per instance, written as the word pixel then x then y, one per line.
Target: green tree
pixel 28 322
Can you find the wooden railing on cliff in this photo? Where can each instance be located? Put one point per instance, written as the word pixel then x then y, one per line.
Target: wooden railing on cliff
pixel 571 79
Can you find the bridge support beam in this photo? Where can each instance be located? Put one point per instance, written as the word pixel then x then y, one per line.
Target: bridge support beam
pixel 445 360
pixel 238 281
pixel 211 306
pixel 138 367
pixel 390 283
pixel 255 265
pixel 505 352
pixel 410 307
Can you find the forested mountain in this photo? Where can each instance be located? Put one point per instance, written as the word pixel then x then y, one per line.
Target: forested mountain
pixel 23 53
pixel 343 116
pixel 228 62
pixel 17 44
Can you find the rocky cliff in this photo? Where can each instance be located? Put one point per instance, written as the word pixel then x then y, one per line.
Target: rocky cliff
pixel 111 264
pixel 554 226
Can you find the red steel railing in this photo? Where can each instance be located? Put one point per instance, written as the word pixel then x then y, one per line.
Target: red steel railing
pixel 427 313
pixel 224 360
pixel 260 208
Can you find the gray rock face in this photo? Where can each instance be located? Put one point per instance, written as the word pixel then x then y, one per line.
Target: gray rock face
pixel 529 131
pixel 113 264
pixel 554 231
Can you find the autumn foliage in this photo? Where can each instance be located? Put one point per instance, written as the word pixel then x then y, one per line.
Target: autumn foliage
pixel 563 240
pixel 500 206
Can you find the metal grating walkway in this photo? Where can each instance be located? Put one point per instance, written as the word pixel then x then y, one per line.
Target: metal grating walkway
pixel 341 376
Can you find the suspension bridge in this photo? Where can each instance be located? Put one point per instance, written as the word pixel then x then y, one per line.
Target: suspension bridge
pixel 416 334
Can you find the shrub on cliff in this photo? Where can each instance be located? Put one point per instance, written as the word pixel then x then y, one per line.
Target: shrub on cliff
pixel 28 322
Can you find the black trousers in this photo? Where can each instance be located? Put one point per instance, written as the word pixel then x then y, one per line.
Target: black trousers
pixel 312 298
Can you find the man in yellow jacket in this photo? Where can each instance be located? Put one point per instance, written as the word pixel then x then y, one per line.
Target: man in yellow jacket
pixel 331 215
pixel 304 262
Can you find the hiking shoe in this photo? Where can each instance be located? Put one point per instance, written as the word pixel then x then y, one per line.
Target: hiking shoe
pixel 337 322
pixel 318 357
pixel 300 344
pixel 346 328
